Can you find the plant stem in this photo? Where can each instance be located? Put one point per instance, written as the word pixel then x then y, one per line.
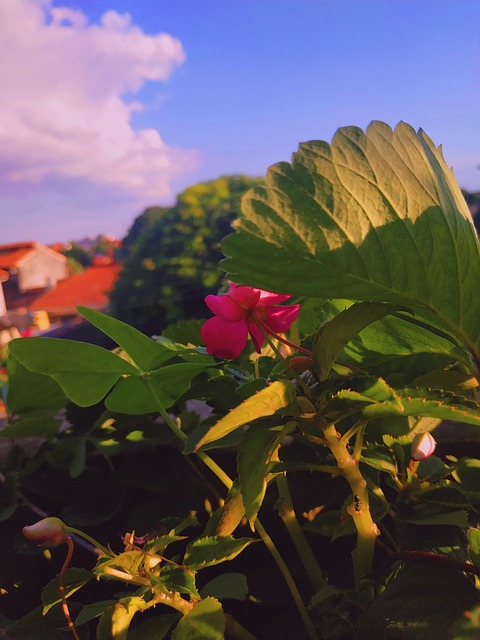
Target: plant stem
pixel 61 588
pixel 268 542
pixel 235 631
pixel 287 514
pixel 228 482
pixel 367 530
pixel 92 541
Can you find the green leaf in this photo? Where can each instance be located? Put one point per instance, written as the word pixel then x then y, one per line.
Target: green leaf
pixel 380 458
pixel 228 516
pixel 374 216
pixel 145 352
pixel 227 586
pixel 156 628
pixel 474 545
pixel 84 371
pixel 400 348
pixel 438 404
pixel 255 451
pixel 69 453
pixel 421 602
pixel 467 472
pixel 92 611
pixel 206 621
pixel 179 580
pixel 115 622
pixel 31 391
pixel 74 579
pixel 132 396
pixel 335 334
pixel 212 550
pixel 278 395
pixel 38 426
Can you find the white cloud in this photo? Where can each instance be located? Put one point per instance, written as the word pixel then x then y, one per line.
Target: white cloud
pixel 63 110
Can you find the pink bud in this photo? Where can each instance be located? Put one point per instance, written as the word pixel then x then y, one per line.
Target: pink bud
pixel 423 445
pixel 49 532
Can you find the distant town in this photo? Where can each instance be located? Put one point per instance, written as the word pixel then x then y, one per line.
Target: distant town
pixel 41 286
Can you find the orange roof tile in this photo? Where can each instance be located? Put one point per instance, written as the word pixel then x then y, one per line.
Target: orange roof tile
pixel 10 254
pixel 89 288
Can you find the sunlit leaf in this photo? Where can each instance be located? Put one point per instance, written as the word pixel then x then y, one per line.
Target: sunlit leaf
pixel 374 216
pixel 278 395
pixel 208 551
pixel 206 621
pixel 84 371
pixel 145 352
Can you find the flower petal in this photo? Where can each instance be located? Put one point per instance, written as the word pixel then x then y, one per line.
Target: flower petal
pixel 224 339
pixel 225 307
pixel 280 319
pixel 246 297
pixel 257 336
pixel 267 298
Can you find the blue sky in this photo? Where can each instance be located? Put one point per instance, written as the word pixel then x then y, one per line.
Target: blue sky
pixel 119 119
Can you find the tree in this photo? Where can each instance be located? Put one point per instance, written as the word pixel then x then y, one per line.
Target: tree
pixel 171 255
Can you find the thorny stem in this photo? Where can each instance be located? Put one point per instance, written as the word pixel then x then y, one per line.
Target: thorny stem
pixel 367 530
pixel 61 588
pixel 228 482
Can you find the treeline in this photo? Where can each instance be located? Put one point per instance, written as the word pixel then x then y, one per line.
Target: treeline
pixel 171 255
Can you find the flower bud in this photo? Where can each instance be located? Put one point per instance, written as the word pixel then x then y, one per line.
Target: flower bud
pixel 49 532
pixel 423 445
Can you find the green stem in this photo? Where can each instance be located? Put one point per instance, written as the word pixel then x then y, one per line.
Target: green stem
pixel 367 530
pixel 289 518
pixel 284 361
pixel 92 541
pixel 268 542
pixel 161 410
pixel 228 482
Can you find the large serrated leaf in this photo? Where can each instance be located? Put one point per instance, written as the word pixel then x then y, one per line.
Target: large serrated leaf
pixel 335 334
pixel 206 621
pixel 211 550
pixel 278 395
pixel 438 404
pixel 145 352
pixel 85 372
pixel 374 216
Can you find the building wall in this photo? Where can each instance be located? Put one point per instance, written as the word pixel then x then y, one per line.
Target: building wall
pixel 3 306
pixel 41 269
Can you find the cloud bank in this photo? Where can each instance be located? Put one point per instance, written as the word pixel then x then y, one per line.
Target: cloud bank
pixel 66 108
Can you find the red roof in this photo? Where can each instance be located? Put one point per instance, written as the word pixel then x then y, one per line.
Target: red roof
pixel 4 275
pixel 89 288
pixel 11 254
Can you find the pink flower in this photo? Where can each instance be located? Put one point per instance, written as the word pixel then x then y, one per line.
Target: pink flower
pixel 423 445
pixel 49 532
pixel 243 311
